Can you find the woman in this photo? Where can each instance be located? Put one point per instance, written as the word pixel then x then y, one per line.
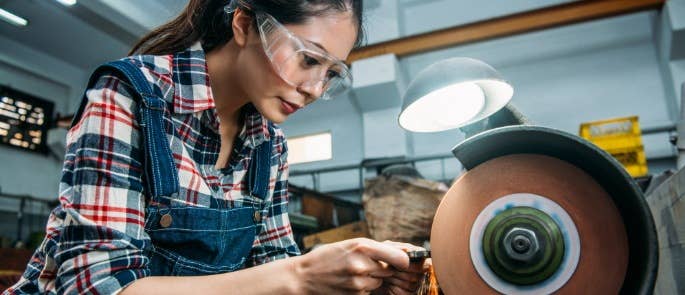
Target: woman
pixel 184 189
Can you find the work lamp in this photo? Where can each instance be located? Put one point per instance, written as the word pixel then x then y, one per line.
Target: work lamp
pixel 453 93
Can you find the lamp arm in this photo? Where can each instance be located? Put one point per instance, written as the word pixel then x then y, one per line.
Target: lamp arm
pixel 508 115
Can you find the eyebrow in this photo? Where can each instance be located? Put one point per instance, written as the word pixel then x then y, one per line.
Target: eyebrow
pixel 319 45
pixel 324 49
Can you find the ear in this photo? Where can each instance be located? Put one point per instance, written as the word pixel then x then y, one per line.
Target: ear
pixel 241 26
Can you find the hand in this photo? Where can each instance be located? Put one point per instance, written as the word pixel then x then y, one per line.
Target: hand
pixel 355 266
pixel 404 281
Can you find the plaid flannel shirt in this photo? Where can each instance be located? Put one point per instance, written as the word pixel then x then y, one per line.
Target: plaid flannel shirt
pixel 102 184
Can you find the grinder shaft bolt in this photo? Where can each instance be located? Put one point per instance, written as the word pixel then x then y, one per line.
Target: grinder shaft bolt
pixel 521 244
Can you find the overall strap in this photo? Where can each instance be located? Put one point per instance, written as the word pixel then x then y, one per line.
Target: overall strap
pixel 160 169
pixel 259 173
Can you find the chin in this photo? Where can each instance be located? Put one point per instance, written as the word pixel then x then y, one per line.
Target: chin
pixel 272 113
pixel 276 119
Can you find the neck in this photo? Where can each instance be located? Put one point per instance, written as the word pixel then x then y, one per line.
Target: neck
pixel 223 77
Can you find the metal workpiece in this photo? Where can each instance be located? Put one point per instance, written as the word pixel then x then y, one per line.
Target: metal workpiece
pixel 418 255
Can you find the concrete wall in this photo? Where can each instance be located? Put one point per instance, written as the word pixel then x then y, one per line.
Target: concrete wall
pixel 149 14
pixel 390 19
pixel 420 16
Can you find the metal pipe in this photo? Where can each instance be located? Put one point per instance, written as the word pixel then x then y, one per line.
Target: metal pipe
pixel 370 164
pixel 323 170
pixel 442 168
pixel 316 181
pixel 659 129
pixel 361 192
pixel 302 191
pixel 20 217
pixel 681 129
pixel 20 197
pixel 361 180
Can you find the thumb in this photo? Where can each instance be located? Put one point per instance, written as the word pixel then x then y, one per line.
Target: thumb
pixel 386 253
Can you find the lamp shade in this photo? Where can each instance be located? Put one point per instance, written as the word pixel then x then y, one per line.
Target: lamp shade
pixel 453 93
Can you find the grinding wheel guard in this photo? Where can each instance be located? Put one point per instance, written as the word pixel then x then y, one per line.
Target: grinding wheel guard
pixel 602 167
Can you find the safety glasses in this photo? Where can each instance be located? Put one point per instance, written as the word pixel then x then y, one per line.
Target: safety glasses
pixel 298 62
pixel 301 63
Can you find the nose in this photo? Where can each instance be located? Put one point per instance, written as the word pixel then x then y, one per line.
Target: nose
pixel 312 91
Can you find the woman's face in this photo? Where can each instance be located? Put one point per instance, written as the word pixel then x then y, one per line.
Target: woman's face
pixel 275 98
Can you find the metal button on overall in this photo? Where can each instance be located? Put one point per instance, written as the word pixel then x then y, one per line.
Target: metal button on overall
pixel 166 220
pixel 257 216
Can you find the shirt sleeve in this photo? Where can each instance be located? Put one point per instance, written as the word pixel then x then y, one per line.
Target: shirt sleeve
pixel 276 240
pixel 102 245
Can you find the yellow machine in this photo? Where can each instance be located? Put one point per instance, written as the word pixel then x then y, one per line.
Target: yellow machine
pixel 620 137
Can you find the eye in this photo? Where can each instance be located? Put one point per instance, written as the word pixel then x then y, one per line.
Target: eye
pixel 310 61
pixel 332 74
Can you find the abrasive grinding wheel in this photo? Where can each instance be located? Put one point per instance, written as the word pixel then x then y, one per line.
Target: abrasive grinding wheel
pixel 540 211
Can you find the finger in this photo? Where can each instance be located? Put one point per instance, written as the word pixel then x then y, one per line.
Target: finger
pixel 409 277
pixel 383 252
pixel 417 268
pixel 382 271
pixel 404 246
pixel 361 265
pixel 427 264
pixel 404 284
pixel 363 283
pixel 420 267
pixel 396 290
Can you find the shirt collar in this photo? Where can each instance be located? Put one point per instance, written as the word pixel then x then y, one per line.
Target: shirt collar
pixel 192 90
pixel 256 128
pixel 193 94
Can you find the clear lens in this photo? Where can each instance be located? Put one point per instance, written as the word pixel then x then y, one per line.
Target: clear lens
pixel 302 64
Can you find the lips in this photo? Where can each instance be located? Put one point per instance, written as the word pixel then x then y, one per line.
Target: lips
pixel 288 107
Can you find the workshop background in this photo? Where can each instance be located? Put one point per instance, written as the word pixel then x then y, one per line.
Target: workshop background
pixel 352 167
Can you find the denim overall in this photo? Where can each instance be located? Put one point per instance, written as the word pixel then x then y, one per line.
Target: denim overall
pixel 187 240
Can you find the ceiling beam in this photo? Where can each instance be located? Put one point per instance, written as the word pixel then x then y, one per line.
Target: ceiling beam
pixel 108 20
pixel 534 20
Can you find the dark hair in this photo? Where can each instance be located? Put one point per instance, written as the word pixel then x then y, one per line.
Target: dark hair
pixel 206 21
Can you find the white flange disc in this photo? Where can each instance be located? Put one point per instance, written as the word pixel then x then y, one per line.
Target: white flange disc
pixel 551 208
